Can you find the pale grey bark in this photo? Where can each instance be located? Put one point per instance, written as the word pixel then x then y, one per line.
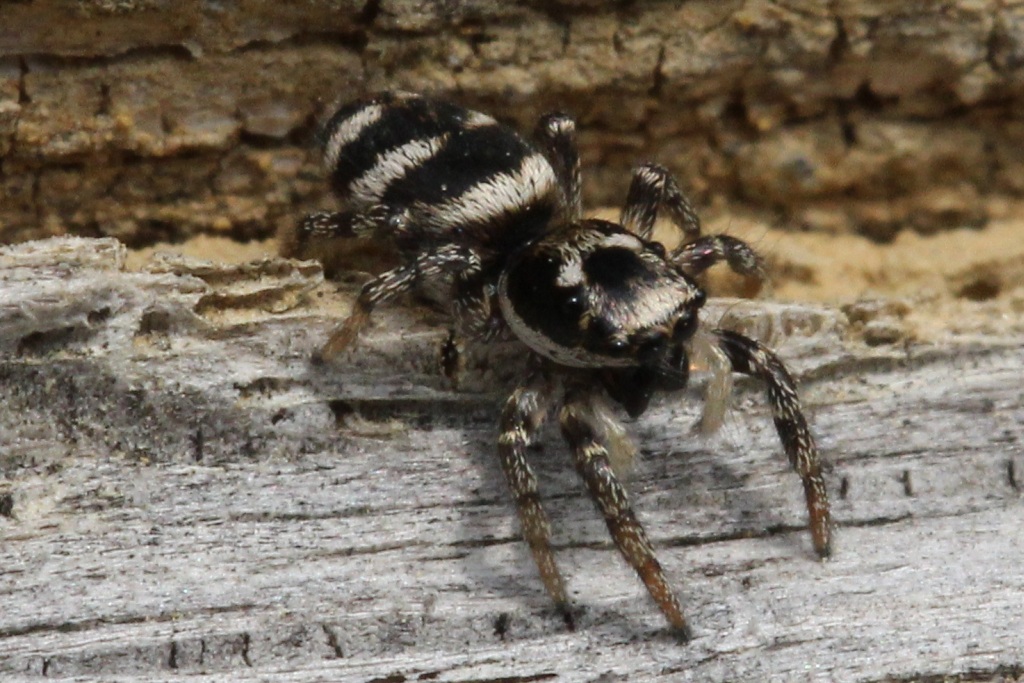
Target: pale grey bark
pixel 183 494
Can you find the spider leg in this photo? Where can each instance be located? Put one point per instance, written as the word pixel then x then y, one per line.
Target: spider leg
pixel 328 225
pixel 452 357
pixel 582 431
pixel 477 318
pixel 703 252
pixel 556 134
pixel 523 415
pixel 653 189
pixel 475 308
pixel 752 358
pixel 387 285
pixel 705 353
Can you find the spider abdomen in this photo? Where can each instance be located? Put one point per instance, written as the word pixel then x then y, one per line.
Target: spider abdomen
pixel 436 173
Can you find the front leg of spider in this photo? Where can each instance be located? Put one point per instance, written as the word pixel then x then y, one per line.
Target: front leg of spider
pixel 524 413
pixel 593 464
pixel 654 189
pixel 752 358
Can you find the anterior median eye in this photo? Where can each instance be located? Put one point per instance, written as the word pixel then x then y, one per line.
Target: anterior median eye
pixel 685 327
pixel 604 338
pixel 572 304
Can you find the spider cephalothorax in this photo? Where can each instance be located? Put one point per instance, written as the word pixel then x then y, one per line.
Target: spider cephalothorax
pixel 592 295
pixel 607 311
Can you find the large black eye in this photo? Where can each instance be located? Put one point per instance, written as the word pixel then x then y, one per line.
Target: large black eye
pixel 685 326
pixel 604 338
pixel 572 303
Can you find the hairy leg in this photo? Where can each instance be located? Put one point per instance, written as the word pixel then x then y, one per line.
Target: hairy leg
pixel 654 189
pixel 752 358
pixel 556 134
pixel 389 285
pixel 328 225
pixel 580 428
pixel 697 256
pixel 476 318
pixel 522 417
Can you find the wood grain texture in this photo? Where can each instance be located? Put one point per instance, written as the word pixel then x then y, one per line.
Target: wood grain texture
pixel 183 495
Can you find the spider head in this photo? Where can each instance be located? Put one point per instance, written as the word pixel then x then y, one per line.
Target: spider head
pixel 593 295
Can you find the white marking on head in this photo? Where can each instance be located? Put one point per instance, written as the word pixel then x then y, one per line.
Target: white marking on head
pixel 348 130
pixel 537 340
pixel 623 240
pixel 571 272
pixel 477 119
pixel 392 165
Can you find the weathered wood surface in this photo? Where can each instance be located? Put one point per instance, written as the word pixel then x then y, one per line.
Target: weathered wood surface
pixel 183 494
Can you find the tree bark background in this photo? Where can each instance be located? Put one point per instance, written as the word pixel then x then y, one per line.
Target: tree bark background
pixel 147 120
pixel 181 494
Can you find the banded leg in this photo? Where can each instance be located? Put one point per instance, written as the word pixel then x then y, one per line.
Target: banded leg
pixel 697 256
pixel 475 308
pixel 477 317
pixel 522 417
pixel 594 466
pixel 389 285
pixel 653 189
pixel 752 358
pixel 556 133
pixel 326 225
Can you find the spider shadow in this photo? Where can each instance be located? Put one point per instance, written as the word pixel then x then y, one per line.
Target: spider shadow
pixel 673 484
pixel 720 477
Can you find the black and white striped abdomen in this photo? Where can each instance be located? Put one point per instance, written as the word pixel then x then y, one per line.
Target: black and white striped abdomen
pixel 448 167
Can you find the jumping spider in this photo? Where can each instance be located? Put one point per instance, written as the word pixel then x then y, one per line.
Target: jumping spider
pixel 606 311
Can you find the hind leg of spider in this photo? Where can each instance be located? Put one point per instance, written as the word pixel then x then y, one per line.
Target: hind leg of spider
pixel 389 285
pixel 300 241
pixel 752 358
pixel 593 464
pixel 556 135
pixel 326 225
pixel 522 417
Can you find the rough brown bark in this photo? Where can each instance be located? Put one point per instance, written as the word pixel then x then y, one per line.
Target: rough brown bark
pixel 183 494
pixel 151 121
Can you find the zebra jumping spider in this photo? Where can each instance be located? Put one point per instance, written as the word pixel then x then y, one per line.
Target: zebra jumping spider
pixel 607 312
